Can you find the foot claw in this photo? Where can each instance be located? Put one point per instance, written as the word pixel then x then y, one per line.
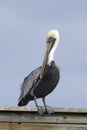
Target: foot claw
pixel 41 110
pixel 49 110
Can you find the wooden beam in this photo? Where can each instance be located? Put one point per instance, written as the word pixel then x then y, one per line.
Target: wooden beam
pixel 65 118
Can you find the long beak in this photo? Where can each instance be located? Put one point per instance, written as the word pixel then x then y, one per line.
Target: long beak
pixel 48 48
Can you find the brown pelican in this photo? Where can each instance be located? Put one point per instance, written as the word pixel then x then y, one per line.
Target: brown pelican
pixel 42 81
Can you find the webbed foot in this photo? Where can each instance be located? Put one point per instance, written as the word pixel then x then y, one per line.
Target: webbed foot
pixel 41 110
pixel 49 109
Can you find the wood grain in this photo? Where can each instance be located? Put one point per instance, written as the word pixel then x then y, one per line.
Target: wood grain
pixel 26 118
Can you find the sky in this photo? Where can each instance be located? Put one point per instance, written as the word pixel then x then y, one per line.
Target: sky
pixel 23 28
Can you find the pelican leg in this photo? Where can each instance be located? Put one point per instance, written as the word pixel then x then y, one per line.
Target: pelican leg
pixel 48 109
pixel 43 99
pixel 41 109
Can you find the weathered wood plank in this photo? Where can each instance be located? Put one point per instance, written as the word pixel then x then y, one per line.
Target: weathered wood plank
pixel 34 109
pixel 30 115
pixel 25 126
pixel 26 118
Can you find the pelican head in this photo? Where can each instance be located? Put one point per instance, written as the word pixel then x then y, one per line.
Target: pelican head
pixel 52 40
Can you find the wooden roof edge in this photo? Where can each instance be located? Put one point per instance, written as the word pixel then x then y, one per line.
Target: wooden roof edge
pixel 34 109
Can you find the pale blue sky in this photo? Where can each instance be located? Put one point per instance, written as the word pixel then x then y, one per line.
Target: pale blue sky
pixel 23 27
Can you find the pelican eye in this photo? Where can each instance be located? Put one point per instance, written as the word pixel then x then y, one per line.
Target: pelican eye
pixel 51 40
